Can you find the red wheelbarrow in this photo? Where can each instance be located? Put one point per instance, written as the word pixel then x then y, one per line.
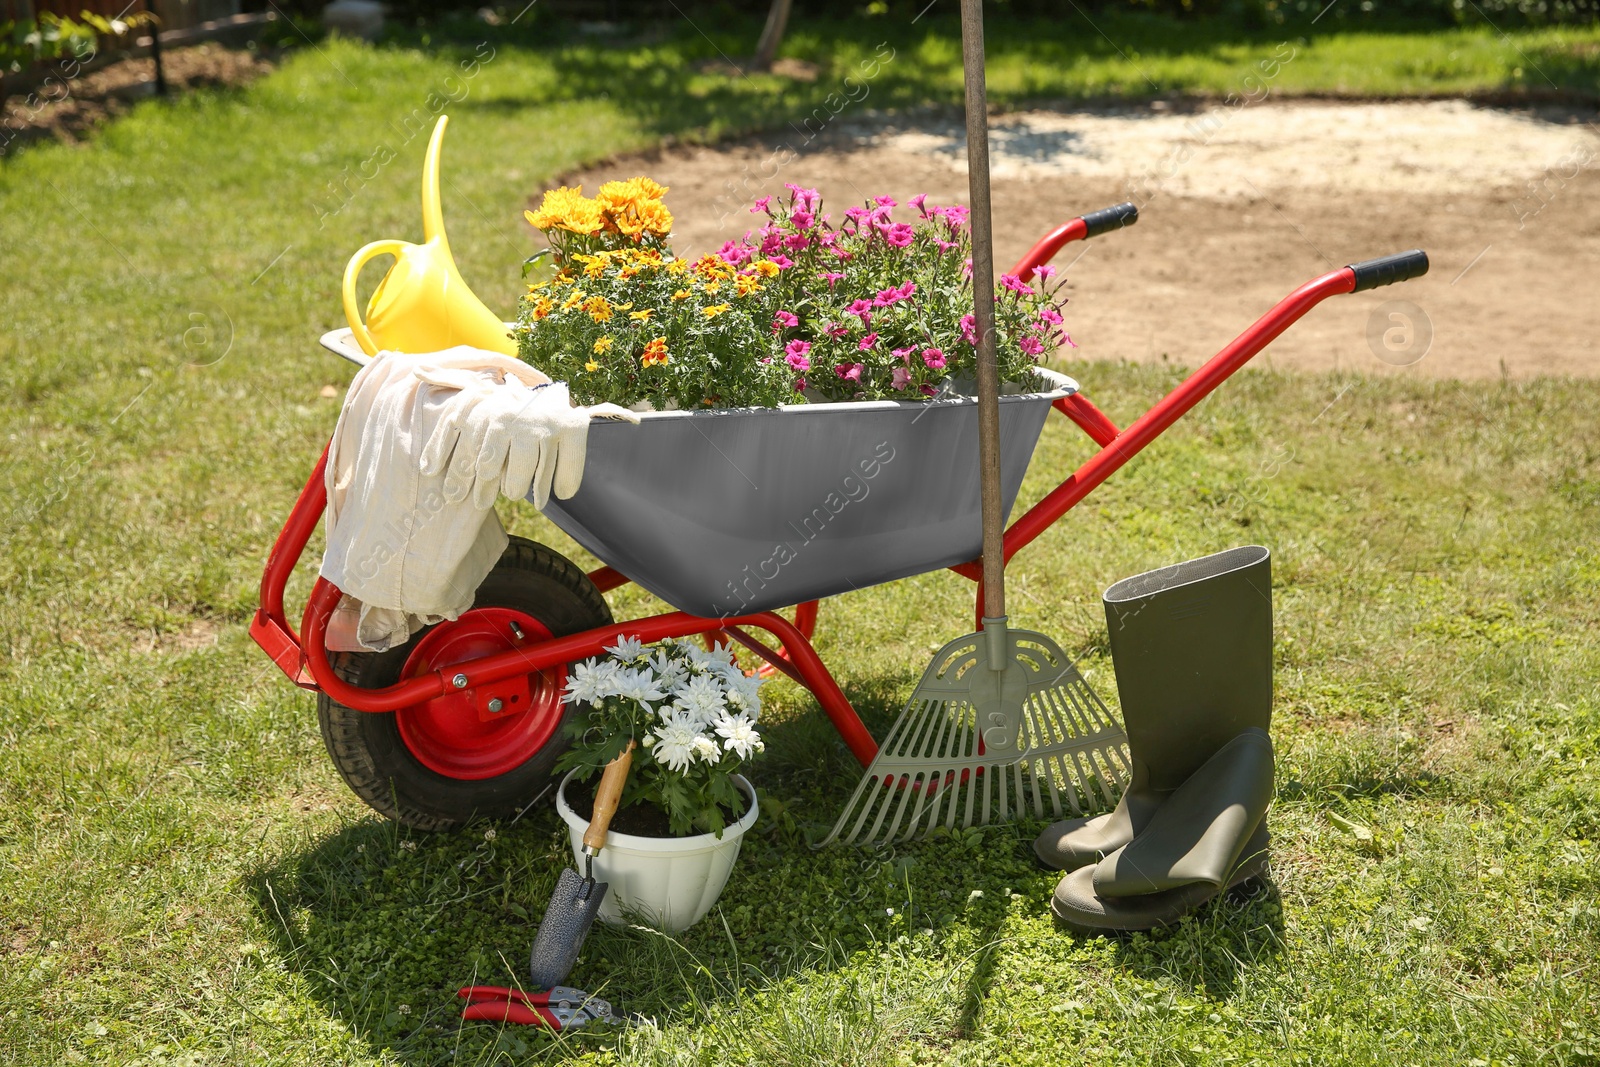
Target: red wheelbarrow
pixel 464 720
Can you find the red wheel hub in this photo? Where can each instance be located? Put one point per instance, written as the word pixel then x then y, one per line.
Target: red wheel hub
pixel 481 733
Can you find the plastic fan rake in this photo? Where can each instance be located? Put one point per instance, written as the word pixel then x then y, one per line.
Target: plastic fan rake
pixel 975 746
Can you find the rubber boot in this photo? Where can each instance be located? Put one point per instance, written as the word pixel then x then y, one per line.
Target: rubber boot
pixel 1192 648
pixel 1210 835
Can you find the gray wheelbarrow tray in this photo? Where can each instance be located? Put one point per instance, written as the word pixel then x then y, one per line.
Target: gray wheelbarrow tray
pixel 728 512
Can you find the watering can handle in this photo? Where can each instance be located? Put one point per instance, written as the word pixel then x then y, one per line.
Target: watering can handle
pixel 352 270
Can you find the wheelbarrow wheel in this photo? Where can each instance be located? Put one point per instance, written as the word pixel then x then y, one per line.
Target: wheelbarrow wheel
pixel 438 765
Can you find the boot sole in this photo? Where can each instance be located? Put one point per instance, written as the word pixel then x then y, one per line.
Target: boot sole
pixel 1182 901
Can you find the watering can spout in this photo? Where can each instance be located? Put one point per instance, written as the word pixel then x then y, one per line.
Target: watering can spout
pixel 432 209
pixel 422 304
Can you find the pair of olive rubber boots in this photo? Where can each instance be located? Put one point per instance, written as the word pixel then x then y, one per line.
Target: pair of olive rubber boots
pixel 1192 648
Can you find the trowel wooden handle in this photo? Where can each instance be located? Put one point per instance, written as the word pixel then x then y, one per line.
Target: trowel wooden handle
pixel 606 799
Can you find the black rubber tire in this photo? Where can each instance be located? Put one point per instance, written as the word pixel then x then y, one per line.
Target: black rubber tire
pixel 367 748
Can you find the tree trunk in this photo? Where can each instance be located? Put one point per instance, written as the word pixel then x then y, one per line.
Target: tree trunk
pixel 772 34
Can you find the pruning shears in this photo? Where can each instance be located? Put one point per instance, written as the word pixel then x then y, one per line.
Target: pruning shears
pixel 562 1008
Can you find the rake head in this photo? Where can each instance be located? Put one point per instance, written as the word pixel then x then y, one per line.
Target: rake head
pixel 976 745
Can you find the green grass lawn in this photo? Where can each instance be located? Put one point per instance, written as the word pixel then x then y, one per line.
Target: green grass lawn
pixel 184 879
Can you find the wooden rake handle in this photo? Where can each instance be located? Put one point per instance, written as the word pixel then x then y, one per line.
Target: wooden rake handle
pixel 606 799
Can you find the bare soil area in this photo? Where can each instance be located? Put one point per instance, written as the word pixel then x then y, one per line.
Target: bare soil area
pixel 1238 206
pixel 67 108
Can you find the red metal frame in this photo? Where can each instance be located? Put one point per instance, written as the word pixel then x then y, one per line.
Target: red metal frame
pixel 304 659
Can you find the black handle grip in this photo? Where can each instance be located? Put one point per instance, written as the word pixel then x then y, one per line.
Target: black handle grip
pixel 1111 218
pixel 1400 267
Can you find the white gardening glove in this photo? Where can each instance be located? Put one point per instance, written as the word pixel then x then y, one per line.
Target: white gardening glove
pixel 473 375
pixel 551 441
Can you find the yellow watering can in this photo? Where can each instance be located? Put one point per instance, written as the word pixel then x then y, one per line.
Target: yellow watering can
pixel 422 305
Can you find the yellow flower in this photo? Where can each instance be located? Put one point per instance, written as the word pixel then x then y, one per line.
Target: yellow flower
pixel 566 209
pixel 682 294
pixel 766 268
pixel 744 285
pixel 655 352
pixel 713 267
pixel 677 266
pixel 542 307
pixel 591 366
pixel 641 316
pixel 598 307
pixel 602 346
pixel 715 309
pixel 573 301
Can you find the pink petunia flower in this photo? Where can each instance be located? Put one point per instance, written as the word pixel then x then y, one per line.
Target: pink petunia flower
pixel 900 234
pixel 1031 345
pixel 802 218
pixel 969 329
pixel 783 262
pixel 831 275
pixel 836 330
pixel 904 354
pixel 934 358
pixel 928 390
pixel 734 252
pixel 955 216
pixel 919 202
pixel 885 201
pixel 796 353
pixel 840 253
pixel 797 242
pixel 867 342
pixel 850 372
pixel 799 385
pixel 900 378
pixel 1015 284
pixel 862 309
pixel 806 199
pixel 1046 271
pixel 945 246
pixel 763 203
pixel 1050 315
pixel 784 320
pixel 894 294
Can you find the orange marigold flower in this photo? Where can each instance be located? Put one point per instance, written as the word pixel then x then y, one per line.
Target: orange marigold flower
pixel 744 285
pixel 655 352
pixel 598 307
pixel 714 310
pixel 766 268
pixel 641 316
pixel 682 294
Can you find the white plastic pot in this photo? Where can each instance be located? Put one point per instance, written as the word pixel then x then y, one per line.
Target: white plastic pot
pixel 667 882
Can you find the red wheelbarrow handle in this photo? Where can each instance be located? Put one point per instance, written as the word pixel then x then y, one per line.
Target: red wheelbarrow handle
pixel 1093 224
pixel 1123 445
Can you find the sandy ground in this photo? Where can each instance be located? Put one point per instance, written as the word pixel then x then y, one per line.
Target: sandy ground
pixel 1238 205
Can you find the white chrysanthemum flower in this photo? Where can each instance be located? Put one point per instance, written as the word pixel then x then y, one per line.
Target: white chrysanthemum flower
pixel 670 671
pixel 739 735
pixel 640 686
pixel 674 744
pixel 707 749
pixel 701 698
pixel 590 681
pixel 744 692
pixel 717 658
pixel 627 649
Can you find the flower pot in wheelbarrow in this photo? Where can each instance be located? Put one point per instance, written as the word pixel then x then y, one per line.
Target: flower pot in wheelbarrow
pixel 722 513
pixel 670 883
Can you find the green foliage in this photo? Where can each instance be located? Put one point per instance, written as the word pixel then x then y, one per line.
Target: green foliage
pixel 50 37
